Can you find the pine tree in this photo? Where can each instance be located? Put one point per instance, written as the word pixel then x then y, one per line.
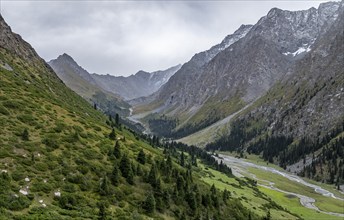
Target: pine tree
pixel 169 162
pixel 149 204
pixel 117 150
pixel 141 157
pixel 225 195
pixel 139 171
pixel 115 175
pixel 130 177
pixel 268 216
pixel 117 119
pixel 25 135
pixel 112 135
pixel 152 176
pixel 102 210
pixel 214 196
pixel 182 159
pixel 104 188
pixel 124 166
pixel 192 201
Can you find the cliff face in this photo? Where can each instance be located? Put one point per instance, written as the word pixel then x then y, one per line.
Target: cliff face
pixel 309 102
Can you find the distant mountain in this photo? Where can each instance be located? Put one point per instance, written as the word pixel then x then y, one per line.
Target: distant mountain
pixel 202 93
pixel 135 86
pixel 79 80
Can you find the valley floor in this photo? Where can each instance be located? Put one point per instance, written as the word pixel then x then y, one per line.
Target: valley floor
pixel 307 199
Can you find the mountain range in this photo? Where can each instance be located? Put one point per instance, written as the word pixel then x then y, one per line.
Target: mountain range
pixel 273 89
pixel 280 80
pixel 131 87
pixel 219 82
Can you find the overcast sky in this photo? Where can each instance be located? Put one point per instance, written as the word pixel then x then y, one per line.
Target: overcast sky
pixel 120 38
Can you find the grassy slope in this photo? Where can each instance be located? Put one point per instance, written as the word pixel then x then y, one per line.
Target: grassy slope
pixel 66 151
pixel 251 199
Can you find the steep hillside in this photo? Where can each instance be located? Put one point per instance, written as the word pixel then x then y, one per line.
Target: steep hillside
pixel 135 86
pixel 62 159
pixel 80 81
pixel 299 123
pixel 240 74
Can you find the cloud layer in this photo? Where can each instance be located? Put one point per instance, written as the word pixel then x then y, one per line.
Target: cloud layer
pixel 120 38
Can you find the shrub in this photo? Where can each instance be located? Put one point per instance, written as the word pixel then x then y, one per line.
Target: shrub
pixel 82 169
pixel 18 175
pixel 92 154
pixel 3 110
pixel 71 201
pixel 27 119
pixel 59 127
pixel 69 187
pixel 13 104
pixel 41 187
pixel 51 142
pixel 25 135
pixel 41 166
pixel 17 203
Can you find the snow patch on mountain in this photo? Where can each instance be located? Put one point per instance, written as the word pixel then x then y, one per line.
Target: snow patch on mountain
pixel 300 50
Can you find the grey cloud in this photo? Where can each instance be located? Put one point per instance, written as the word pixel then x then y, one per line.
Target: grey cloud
pixel 121 38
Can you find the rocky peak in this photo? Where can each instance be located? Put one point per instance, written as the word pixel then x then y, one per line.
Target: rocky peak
pixel 65 56
pixel 142 74
pixel 14 43
pixel 294 32
pixel 204 57
pixel 65 63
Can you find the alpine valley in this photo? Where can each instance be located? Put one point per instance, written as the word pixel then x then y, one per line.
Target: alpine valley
pixel 252 128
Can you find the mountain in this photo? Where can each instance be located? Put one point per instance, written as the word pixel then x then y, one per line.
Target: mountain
pixel 299 123
pixel 135 86
pixel 62 159
pixel 237 76
pixel 80 81
pixel 74 75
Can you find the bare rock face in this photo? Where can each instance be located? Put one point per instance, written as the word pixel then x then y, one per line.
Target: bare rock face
pixel 184 86
pixel 14 43
pixel 246 64
pixel 313 102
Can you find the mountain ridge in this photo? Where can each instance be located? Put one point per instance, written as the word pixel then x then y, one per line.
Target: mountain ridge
pixel 237 75
pixel 137 85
